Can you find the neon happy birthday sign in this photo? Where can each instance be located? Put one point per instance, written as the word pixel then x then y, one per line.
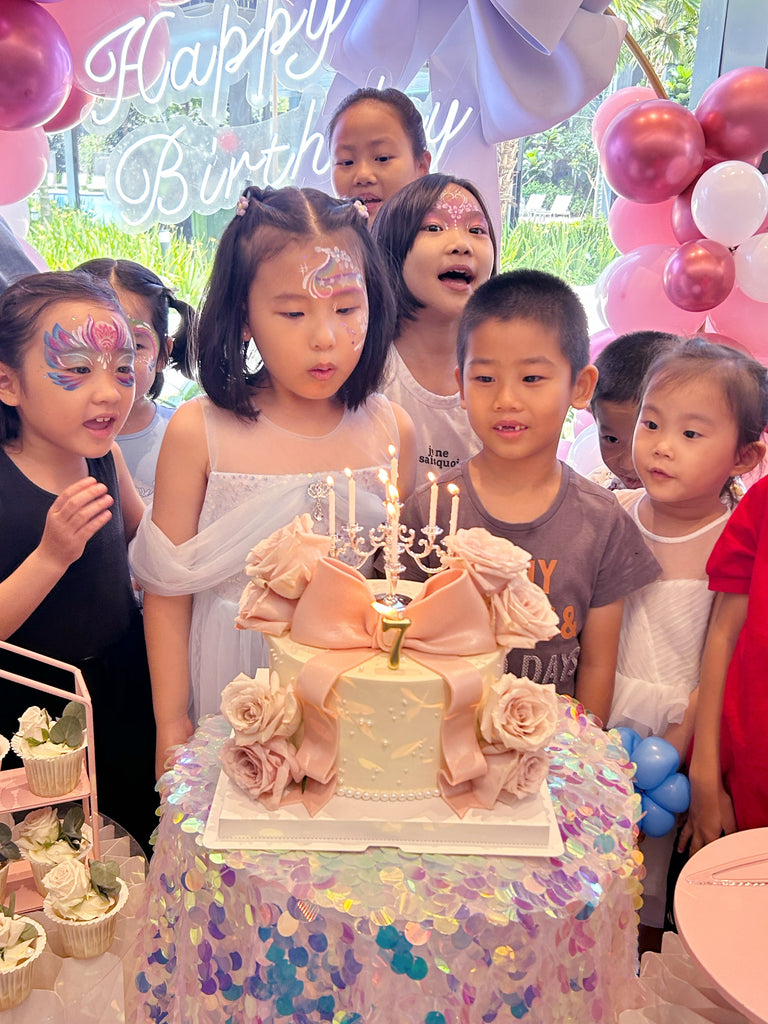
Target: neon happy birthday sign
pixel 166 169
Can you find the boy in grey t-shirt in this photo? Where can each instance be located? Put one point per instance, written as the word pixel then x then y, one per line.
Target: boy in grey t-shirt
pixel 523 360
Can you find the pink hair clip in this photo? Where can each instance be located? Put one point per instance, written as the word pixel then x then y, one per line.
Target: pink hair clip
pixel 361 208
pixel 242 206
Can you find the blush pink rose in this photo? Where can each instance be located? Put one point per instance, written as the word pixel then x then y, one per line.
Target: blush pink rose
pixel 519 714
pixel 259 709
pixel 263 772
pixel 286 560
pixel 521 615
pixel 524 773
pixel 490 561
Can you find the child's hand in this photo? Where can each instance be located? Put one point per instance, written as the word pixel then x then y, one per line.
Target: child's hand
pixel 710 815
pixel 168 736
pixel 76 515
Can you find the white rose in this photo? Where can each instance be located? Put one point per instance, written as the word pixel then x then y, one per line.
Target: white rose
pixel 5 746
pixel 92 905
pixel 32 723
pixel 519 714
pixel 10 930
pixel 260 711
pixel 67 883
pixel 490 561
pixel 40 828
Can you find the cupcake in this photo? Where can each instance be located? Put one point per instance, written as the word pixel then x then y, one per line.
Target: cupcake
pixel 84 901
pixel 5 746
pixel 22 940
pixel 52 750
pixel 8 851
pixel 45 840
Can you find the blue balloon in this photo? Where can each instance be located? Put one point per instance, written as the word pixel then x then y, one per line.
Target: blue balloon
pixel 655 821
pixel 655 760
pixel 674 793
pixel 629 739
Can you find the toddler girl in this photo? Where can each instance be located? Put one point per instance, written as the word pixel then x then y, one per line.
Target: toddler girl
pixel 377 143
pixel 147 301
pixel 67 509
pixel 701 416
pixel 439 245
pixel 292 341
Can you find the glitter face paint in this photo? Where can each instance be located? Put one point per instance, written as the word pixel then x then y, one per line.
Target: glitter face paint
pixel 110 345
pixel 337 275
pixel 146 341
pixel 457 206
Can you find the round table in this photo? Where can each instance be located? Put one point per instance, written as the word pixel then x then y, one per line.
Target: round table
pixel 383 935
pixel 721 909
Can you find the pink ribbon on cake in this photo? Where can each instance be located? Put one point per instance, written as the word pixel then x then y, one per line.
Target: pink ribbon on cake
pixel 449 620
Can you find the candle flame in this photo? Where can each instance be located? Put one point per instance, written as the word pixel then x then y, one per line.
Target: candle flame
pixel 348 473
pixel 383 476
pixel 453 489
pixel 392 450
pixel 431 477
pixel 329 481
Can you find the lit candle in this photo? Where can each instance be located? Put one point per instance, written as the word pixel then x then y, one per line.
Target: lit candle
pixel 393 464
pixel 393 525
pixel 351 494
pixel 432 500
pixel 453 490
pixel 331 507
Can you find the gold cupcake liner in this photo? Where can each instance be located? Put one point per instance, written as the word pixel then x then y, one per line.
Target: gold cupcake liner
pixel 85 939
pixel 16 983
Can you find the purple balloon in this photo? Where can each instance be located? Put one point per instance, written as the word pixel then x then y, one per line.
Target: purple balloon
pixel 35 66
pixel 655 759
pixel 674 793
pixel 652 150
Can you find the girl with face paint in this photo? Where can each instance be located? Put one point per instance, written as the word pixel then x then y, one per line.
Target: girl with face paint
pixel 67 510
pixel 290 349
pixel 147 302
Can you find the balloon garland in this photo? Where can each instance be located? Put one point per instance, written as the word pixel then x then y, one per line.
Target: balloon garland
pixel 664 791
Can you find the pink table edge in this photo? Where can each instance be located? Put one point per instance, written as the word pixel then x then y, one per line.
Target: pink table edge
pixel 725 927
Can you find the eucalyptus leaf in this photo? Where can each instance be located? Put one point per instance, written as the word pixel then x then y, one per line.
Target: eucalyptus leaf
pixel 74 709
pixel 68 731
pixel 72 827
pixel 29 933
pixel 8 849
pixel 105 876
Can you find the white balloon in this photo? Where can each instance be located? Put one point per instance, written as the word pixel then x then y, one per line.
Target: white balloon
pixel 751 260
pixel 584 453
pixel 729 202
pixel 17 217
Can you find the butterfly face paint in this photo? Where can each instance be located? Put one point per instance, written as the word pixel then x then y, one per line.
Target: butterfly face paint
pixel 146 341
pixel 72 356
pixel 339 277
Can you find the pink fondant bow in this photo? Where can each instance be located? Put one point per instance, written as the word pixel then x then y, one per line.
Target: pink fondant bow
pixel 449 620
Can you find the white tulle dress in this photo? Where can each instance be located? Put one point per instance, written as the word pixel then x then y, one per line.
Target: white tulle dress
pixel 663 629
pixel 240 509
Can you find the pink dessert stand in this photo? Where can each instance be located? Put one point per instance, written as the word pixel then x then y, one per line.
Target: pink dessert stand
pixel 721 909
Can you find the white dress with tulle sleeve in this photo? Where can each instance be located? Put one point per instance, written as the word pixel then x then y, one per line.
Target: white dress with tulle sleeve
pixel 240 509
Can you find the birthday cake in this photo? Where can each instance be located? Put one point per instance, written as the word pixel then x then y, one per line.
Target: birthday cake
pixel 387 699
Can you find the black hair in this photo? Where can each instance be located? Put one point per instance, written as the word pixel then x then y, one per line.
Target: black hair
pixel 742 380
pixel 623 363
pixel 22 305
pixel 397 225
pixel 270 219
pixel 141 281
pixel 402 105
pixel 529 295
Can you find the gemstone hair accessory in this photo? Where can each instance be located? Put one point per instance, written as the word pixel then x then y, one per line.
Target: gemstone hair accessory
pixel 242 206
pixel 361 208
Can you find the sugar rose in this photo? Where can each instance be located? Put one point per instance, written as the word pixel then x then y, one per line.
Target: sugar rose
pixel 259 711
pixel 490 561
pixel 521 615
pixel 287 558
pixel 519 714
pixel 32 723
pixel 39 828
pixel 263 772
pixel 68 883
pixel 14 948
pixel 525 773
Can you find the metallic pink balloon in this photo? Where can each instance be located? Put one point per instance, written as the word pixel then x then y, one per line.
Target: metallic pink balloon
pixel 652 150
pixel 35 65
pixel 733 113
pixel 76 108
pixel 613 105
pixel 684 227
pixel 699 275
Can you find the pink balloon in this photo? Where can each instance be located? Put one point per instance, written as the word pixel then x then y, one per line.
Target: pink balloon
pixel 730 201
pixel 76 108
pixel 652 150
pixel 582 419
pixel 751 261
pixel 699 275
pixel 598 341
pixel 742 319
pixel 634 298
pixel 613 105
pixel 33 255
pixel 35 65
pixel 721 339
pixel 23 163
pixel 631 225
pixel 85 25
pixel 684 227
pixel 733 113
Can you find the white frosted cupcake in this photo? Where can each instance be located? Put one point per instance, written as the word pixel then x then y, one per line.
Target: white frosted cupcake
pixel 84 901
pixel 45 840
pixel 8 851
pixel 22 940
pixel 52 750
pixel 5 746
